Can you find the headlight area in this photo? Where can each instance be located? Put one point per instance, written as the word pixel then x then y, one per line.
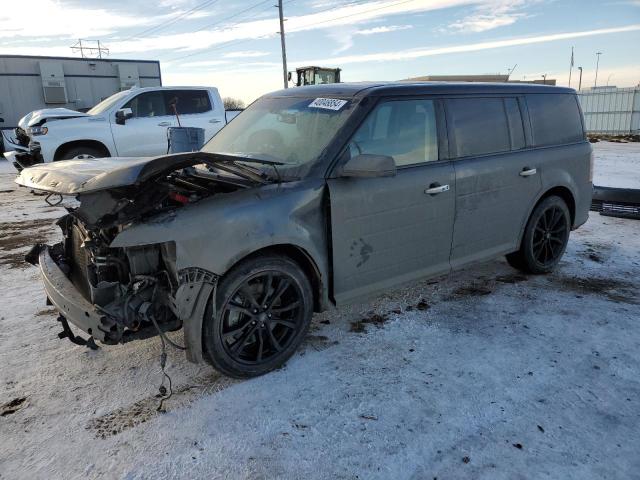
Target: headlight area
pixel 37 130
pixel 134 286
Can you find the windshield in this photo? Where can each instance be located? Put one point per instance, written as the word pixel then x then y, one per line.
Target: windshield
pixel 107 103
pixel 290 130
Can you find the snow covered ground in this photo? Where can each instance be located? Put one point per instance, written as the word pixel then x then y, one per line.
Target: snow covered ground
pixel 485 373
pixel 616 164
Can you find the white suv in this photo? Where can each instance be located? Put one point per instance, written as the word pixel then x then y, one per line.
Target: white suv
pixel 131 123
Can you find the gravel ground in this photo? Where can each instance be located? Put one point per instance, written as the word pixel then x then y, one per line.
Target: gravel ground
pixel 485 373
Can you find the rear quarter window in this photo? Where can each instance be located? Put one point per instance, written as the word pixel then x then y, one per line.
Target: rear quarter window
pixel 555 119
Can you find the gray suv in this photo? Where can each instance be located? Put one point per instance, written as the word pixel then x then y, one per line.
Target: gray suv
pixel 312 197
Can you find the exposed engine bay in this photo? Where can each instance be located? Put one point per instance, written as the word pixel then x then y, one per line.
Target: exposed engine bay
pixel 135 287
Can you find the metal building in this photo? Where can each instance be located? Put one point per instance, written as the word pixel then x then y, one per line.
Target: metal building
pixel 611 110
pixel 30 83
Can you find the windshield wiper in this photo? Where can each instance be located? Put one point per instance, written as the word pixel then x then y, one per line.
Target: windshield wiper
pixel 248 158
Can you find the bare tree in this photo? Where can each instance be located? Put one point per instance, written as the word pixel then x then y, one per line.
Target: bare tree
pixel 231 103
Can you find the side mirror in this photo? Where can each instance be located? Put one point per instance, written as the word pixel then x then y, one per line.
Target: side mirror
pixel 368 165
pixel 123 115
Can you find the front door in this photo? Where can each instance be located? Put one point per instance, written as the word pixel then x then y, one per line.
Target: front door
pixel 389 230
pixel 145 134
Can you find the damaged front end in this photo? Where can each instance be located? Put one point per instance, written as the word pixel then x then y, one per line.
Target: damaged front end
pixel 119 294
pixel 124 293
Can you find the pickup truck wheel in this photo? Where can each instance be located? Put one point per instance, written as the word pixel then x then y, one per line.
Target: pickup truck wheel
pixel 80 152
pixel 545 237
pixel 264 307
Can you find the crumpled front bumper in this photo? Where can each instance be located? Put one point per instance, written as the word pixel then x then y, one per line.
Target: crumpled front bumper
pixel 22 159
pixel 69 301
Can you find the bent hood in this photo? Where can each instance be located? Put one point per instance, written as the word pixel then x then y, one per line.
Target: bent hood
pixel 72 177
pixel 38 116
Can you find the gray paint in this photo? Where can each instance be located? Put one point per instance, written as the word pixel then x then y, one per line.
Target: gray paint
pixel 367 234
pixel 219 231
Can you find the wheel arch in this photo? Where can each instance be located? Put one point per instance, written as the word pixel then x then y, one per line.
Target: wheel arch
pixel 306 262
pixel 566 195
pixel 561 191
pixel 77 143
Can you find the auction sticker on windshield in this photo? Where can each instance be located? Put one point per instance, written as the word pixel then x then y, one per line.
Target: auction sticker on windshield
pixel 328 103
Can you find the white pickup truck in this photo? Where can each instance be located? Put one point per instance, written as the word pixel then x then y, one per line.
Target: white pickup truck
pixel 132 123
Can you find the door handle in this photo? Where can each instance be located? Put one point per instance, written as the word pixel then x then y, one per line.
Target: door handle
pixel 436 188
pixel 215 120
pixel 164 124
pixel 527 172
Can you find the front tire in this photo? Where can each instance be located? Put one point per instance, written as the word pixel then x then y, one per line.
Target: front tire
pixel 264 307
pixel 82 153
pixel 545 237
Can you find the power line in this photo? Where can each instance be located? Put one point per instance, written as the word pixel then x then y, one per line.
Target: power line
pixel 231 16
pixel 218 47
pixel 171 21
pixel 355 14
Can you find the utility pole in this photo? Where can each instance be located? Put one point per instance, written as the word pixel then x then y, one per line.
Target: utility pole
pixel 580 79
pixel 570 66
pixel 284 47
pixel 595 83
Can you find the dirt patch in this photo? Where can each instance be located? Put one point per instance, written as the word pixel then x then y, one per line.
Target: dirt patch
pixel 13 406
pixel 146 409
pixel 16 235
pixel 318 343
pixel 377 319
pixel 512 278
pixel 595 252
pixel 472 290
pixel 47 312
pixel 613 289
pixel 13 260
pixel 596 137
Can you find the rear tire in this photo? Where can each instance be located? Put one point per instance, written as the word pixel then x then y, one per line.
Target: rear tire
pixel 545 237
pixel 80 152
pixel 264 307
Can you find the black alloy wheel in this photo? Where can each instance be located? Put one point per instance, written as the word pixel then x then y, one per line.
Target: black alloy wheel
pixel 264 310
pixel 545 237
pixel 550 236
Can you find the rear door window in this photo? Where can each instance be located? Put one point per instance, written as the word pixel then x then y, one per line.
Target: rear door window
pixel 402 129
pixel 555 119
pixel 189 101
pixel 479 126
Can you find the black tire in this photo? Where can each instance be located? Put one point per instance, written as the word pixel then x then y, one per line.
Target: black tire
pixel 545 237
pixel 245 339
pixel 80 152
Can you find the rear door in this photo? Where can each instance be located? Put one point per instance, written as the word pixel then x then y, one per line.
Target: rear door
pixel 497 180
pixel 389 230
pixel 145 134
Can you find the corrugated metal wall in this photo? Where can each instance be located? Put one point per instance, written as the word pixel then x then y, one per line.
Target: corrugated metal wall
pixel 86 82
pixel 614 111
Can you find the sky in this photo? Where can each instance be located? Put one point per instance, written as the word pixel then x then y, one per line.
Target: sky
pixel 235 45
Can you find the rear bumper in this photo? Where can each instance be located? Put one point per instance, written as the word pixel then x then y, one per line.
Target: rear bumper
pixel 616 202
pixel 69 301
